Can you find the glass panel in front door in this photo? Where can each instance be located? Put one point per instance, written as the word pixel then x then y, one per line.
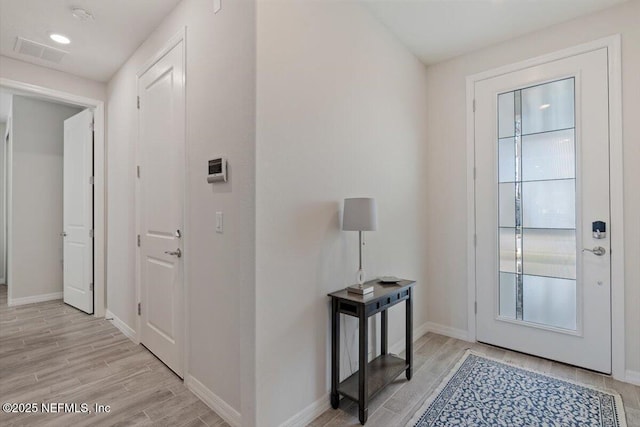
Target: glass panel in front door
pixel 537 204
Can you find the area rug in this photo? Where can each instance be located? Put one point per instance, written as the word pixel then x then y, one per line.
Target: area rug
pixel 481 391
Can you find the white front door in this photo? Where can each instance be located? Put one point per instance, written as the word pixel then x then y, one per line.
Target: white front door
pixel 542 187
pixel 161 202
pixel 78 211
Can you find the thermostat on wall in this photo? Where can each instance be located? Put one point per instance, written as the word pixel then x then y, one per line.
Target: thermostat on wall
pixel 217 170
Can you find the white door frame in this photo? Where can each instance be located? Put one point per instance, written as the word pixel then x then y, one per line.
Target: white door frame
pixel 99 188
pixel 181 36
pixel 5 189
pixel 612 43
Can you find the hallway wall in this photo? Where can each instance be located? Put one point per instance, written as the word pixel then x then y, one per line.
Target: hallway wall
pixel 220 121
pixel 341 113
pixel 35 251
pixel 36 75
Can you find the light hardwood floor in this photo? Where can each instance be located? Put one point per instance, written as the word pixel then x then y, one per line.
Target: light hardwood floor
pixel 51 352
pixel 435 356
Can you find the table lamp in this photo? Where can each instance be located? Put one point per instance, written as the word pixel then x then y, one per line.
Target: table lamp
pixel 360 214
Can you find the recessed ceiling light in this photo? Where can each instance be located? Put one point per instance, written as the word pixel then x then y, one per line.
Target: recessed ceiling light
pixel 59 38
pixel 81 14
pixel 545 106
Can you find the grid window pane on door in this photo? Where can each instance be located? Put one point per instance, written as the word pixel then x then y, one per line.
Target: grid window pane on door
pixel 537 204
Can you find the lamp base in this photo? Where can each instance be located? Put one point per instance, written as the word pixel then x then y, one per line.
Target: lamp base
pixel 360 289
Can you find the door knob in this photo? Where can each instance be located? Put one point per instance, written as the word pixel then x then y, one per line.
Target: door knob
pixel 177 253
pixel 63 234
pixel 598 250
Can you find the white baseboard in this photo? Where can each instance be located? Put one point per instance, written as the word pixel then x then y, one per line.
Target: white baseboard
pixel 316 408
pixel 309 413
pixel 36 298
pixel 123 327
pixel 448 331
pixel 213 401
pixel 632 377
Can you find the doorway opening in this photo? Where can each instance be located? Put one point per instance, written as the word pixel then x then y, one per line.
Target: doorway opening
pixel 52 215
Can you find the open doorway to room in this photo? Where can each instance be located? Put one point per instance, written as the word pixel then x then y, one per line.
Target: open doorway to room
pixel 48 209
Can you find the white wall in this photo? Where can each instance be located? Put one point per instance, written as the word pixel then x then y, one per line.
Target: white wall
pixel 3 277
pixel 49 78
pixel 36 196
pixel 53 84
pixel 446 164
pixel 220 103
pixel 341 113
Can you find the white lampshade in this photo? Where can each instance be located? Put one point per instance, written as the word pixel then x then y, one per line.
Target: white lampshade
pixel 360 214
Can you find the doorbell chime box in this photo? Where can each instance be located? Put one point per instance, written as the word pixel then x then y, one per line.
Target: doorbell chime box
pixel 217 170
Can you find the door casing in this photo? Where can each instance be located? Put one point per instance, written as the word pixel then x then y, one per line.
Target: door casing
pixel 99 169
pixel 613 46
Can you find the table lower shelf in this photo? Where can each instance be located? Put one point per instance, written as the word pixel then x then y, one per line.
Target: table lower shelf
pixel 380 372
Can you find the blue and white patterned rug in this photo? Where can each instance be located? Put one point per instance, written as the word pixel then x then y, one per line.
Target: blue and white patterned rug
pixel 484 392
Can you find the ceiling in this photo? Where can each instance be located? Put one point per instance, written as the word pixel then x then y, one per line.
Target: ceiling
pixel 437 30
pixel 98 47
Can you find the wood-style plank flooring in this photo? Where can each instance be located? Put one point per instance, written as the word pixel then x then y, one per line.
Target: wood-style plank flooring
pixel 434 357
pixel 51 352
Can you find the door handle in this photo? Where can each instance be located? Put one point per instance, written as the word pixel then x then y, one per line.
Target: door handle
pixel 63 234
pixel 177 253
pixel 598 250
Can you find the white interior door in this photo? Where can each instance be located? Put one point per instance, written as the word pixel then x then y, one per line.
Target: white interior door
pixel 78 211
pixel 161 196
pixel 542 181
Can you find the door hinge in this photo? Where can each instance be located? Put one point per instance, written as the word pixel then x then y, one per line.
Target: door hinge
pixel 138 240
pixel 138 171
pixel 91 287
pixel 139 308
pixel 475 240
pixel 474 105
pixel 475 307
pixel 91 233
pixel 138 102
pixel 474 173
pixel 91 125
pixel 91 180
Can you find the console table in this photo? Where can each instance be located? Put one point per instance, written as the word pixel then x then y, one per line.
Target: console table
pixel 375 375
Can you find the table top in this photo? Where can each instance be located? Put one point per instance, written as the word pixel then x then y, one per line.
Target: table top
pixel 380 290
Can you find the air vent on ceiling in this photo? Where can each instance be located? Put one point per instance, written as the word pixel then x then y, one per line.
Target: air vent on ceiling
pixel 38 50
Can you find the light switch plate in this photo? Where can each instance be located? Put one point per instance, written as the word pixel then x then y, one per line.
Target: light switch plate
pixel 219 225
pixel 217 5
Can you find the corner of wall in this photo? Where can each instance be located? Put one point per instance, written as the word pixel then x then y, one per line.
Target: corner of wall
pixel 218 405
pixel 128 331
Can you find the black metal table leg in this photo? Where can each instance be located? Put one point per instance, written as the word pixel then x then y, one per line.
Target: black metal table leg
pixel 409 335
pixel 363 398
pixel 384 346
pixel 335 354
